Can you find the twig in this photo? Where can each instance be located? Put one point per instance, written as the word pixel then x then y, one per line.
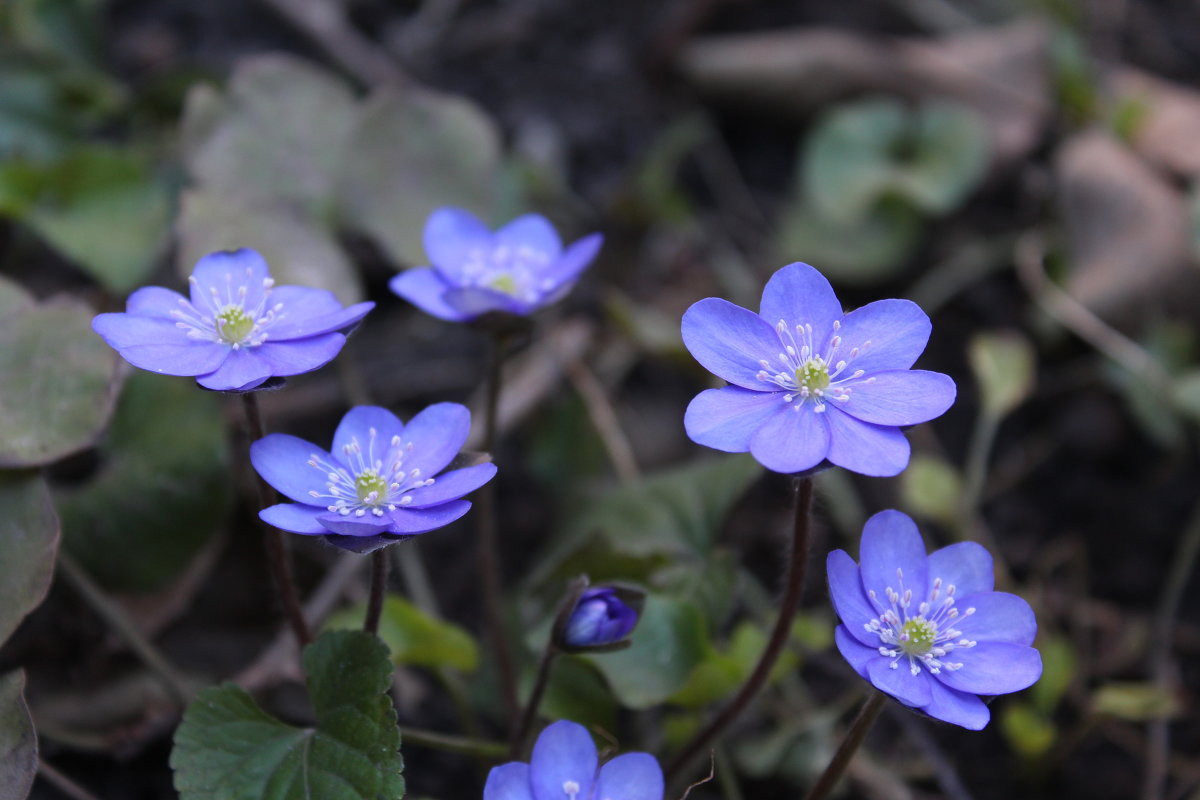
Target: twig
pixel 64 784
pixel 604 420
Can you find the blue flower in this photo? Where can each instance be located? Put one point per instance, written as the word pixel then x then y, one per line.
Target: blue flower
pixel 236 331
pixel 382 482
pixel 563 767
pixel 929 630
pixel 516 270
pixel 810 383
pixel 600 618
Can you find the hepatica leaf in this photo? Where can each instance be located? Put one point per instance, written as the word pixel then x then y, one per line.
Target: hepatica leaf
pixel 18 744
pixel 28 545
pixel 229 749
pixel 415 638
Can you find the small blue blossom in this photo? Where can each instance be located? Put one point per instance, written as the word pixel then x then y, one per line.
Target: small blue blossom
pixel 382 482
pixel 516 270
pixel 236 331
pixel 929 630
pixel 600 618
pixel 811 383
pixel 564 767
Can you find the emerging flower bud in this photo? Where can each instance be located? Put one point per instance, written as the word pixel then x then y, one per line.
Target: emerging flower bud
pixel 603 616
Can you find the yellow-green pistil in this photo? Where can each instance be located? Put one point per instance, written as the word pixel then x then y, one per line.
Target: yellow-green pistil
pixel 917 636
pixel 503 282
pixel 370 487
pixel 234 324
pixel 813 375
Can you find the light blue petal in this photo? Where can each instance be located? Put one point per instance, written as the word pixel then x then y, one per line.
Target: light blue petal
pixel 967 566
pixel 857 654
pixel 891 542
pixel 900 682
pixel 193 359
pixel 877 450
pixel 889 334
pixel 121 330
pixel 849 599
pixel 351 525
pixel 532 231
pixel 217 278
pixel 800 295
pixel 474 301
pixel 452 485
pixel 357 425
pixel 997 617
pixel 282 461
pixel 298 356
pixel 240 371
pixel 426 289
pixel 957 708
pixel 310 312
pixel 155 301
pixel 725 419
pixel 730 341
pixel 436 434
pixel 406 522
pixel 508 782
pixel 564 752
pixel 454 236
pixel 294 518
pixel 899 397
pixel 632 776
pixel 568 266
pixel 992 668
pixel 791 440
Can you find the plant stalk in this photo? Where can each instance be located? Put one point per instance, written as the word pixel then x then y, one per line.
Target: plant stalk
pixel 379 571
pixel 854 737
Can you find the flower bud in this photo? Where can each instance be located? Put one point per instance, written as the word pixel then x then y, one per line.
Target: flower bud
pixel 603 616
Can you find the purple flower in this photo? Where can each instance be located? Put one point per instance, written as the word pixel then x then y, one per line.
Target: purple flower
pixel 811 383
pixel 517 270
pixel 237 330
pixel 929 630
pixel 563 767
pixel 600 618
pixel 383 481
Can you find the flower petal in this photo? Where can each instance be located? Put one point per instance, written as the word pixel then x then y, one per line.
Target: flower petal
pixel 362 544
pixel 725 419
pixel 294 518
pixel 532 231
pixel 407 521
pixel 876 450
pixel 568 266
pixel 219 276
pixel 889 334
pixel 993 668
pixel 967 566
pixel 242 369
pixel 357 425
pixel 857 654
pixel 298 356
pixel 475 301
pixel 730 341
pixel 452 485
pixel 182 359
pixel 891 543
pixel 436 434
pixel 564 752
pixel 900 397
pixel 632 776
pixel 998 617
pixel 309 316
pixel 508 782
pixel 800 295
pixel 791 440
pixel 352 525
pixel 900 682
pixel 154 301
pixel 849 599
pixel 957 708
pixel 282 461
pixel 121 330
pixel 451 236
pixel 426 289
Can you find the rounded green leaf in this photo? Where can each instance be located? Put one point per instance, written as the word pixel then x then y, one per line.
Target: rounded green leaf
pixel 28 545
pixel 18 742
pixel 861 250
pixel 1004 365
pixel 932 487
pixel 414 637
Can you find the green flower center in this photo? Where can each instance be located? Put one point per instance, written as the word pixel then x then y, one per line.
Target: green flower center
pixel 234 324
pixel 371 487
pixel 504 282
pixel 917 636
pixel 813 375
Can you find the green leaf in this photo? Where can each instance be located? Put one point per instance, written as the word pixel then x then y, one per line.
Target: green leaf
pixel 1027 731
pixel 229 749
pixel 1004 365
pixel 161 490
pixel 932 487
pixel 576 692
pixel 18 742
pixel 55 383
pixel 28 545
pixel 1059 667
pixel 861 250
pixel 414 637
pixel 13 298
pixel 668 643
pixel 722 672
pixel 62 29
pixel 1135 702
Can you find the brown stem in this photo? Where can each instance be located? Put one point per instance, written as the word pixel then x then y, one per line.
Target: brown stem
pixel 277 556
pixel 854 737
pixel 379 565
pixel 797 566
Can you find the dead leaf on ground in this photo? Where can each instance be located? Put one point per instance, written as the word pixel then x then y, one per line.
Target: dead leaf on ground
pixel 1167 126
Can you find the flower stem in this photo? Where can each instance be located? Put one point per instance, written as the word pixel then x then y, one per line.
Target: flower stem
pixel 487 552
pixel 379 570
pixel 277 556
pixel 854 737
pixel 481 748
pixel 797 566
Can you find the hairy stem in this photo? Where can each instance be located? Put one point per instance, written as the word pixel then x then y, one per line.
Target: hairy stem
pixel 854 737
pixel 379 570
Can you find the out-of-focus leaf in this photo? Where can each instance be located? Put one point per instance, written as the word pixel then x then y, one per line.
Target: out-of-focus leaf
pixel 1027 731
pixel 227 747
pixel 1058 670
pixel 412 151
pixel 856 251
pixel 1004 366
pixel 650 329
pixel 56 380
pixel 1187 394
pixel 668 643
pixel 577 692
pixel 66 30
pixel 796 749
pixel 932 487
pixel 1135 702
pixel 709 584
pixel 161 490
pixel 1167 119
pixel 414 637
pixel 13 298
pixel 28 545
pixel 656 186
pixel 813 630
pixel 721 672
pixel 18 742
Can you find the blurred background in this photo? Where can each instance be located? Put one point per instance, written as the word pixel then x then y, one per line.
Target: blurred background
pixel 1026 171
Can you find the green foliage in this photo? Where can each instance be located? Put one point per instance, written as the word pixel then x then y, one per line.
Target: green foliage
pixel 229 749
pixel 162 488
pixel 722 672
pixel 859 250
pixel 28 545
pixel 55 383
pixel 415 638
pixel 1004 366
pixel 1028 732
pixel 1059 665
pixel 1135 702
pixel 18 744
pixel 931 487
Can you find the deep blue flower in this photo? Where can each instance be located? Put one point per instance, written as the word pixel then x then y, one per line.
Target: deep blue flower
pixel 564 767
pixel 811 383
pixel 236 331
pixel 600 618
pixel 517 270
pixel 929 630
pixel 382 482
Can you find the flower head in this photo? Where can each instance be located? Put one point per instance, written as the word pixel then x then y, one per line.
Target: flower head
pixel 601 617
pixel 382 482
pixel 516 270
pixel 236 330
pixel 564 767
pixel 929 630
pixel 811 383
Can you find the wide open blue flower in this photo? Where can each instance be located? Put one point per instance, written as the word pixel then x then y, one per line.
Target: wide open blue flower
pixel 929 630
pixel 564 767
pixel 517 270
pixel 236 331
pixel 811 383
pixel 382 482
